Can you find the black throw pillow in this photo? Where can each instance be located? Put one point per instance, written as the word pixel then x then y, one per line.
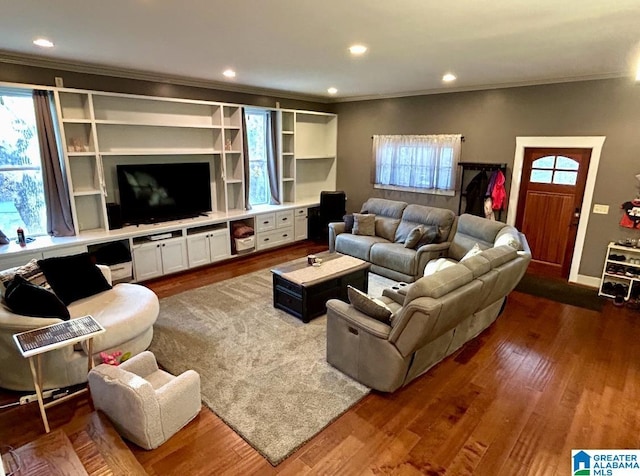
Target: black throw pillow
pixel 28 299
pixel 73 277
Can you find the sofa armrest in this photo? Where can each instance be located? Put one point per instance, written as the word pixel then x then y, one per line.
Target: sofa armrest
pixel 106 272
pixel 335 228
pixel 428 252
pixel 395 293
pixel 142 364
pixel 179 401
pixel 337 309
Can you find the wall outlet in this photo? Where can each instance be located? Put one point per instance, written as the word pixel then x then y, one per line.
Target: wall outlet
pixel 601 209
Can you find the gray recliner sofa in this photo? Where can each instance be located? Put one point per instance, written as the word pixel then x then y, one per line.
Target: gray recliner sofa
pixel 434 316
pixel 386 251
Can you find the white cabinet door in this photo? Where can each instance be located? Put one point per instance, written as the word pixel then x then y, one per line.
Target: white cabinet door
pixel 219 245
pixel 198 250
pixel 147 261
pixel 174 255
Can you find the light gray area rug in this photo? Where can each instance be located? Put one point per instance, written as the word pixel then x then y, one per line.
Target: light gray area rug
pixel 263 371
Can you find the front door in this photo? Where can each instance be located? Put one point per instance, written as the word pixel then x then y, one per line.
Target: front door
pixel 549 204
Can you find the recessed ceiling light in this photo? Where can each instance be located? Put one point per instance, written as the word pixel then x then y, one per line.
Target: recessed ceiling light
pixel 229 73
pixel 447 78
pixel 357 49
pixel 332 90
pixel 43 42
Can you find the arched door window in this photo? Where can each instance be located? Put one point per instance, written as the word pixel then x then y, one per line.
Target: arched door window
pixel 554 169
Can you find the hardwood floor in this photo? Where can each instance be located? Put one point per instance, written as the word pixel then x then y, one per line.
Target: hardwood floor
pixel 545 378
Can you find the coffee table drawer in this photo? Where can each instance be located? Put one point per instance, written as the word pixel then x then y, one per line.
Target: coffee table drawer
pixel 288 301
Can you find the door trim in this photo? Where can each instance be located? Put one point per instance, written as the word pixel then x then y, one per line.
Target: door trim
pixel 594 143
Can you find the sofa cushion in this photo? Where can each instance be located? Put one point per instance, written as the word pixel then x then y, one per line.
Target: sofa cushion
pixel 478 265
pixel 73 277
pixel 30 271
pixel 386 227
pixel 364 224
pixel 394 256
pixel 28 299
pixel 439 284
pixel 415 215
pixel 368 305
pixel 384 207
pixel 472 230
pixel 357 245
pixel 499 255
pixel 126 311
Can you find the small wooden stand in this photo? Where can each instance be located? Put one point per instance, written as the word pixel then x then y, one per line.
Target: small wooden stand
pixel 32 344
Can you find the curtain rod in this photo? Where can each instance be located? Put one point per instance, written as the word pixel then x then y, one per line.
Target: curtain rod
pixel 461 138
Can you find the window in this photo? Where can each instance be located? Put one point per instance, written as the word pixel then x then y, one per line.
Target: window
pixel 22 202
pixel 259 192
pixel 554 169
pixel 416 163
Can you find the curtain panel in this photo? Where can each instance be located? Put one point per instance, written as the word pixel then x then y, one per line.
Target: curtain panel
pixel 59 217
pixel 417 163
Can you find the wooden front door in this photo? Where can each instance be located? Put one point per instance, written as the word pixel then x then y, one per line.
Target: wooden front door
pixel 549 204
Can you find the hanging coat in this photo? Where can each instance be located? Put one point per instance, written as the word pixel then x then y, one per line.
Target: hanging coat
pixel 498 193
pixel 476 191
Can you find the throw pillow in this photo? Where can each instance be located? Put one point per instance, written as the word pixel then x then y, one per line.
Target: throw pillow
pixel 436 265
pixel 429 236
pixel 372 307
pixel 472 252
pixel 364 224
pixel 414 236
pixel 508 239
pixel 348 223
pixel 73 277
pixel 28 299
pixel 30 271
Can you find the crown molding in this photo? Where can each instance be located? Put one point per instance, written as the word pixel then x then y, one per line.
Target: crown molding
pixel 485 87
pixel 102 70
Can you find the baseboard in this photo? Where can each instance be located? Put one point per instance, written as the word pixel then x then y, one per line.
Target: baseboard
pixel 591 281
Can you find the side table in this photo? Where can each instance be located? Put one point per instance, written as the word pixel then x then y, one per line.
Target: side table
pixel 32 344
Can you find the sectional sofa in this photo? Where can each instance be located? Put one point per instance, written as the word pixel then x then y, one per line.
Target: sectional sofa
pixel 463 292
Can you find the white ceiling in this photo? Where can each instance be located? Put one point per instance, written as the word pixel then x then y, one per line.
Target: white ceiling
pixel 300 46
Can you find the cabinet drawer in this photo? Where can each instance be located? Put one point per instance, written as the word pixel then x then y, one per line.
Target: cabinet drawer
pixel 300 212
pixel 288 301
pixel 265 222
pixel 274 238
pixel 284 218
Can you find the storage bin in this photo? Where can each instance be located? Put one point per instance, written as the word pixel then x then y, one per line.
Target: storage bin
pixel 244 245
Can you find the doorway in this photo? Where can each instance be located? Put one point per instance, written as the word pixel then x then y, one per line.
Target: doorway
pixel 594 144
pixel 549 206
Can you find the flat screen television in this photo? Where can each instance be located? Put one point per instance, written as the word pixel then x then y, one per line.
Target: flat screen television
pixel 161 192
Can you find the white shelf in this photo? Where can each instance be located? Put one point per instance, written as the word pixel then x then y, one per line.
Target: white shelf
pixel 163 152
pixel 158 124
pixel 608 277
pixel 315 157
pixel 76 121
pixel 84 193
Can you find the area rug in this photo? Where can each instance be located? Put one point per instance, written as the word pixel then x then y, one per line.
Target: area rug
pixel 262 371
pixel 561 291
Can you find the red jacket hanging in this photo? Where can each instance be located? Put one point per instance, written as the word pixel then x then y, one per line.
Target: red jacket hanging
pixel 498 193
pixel 631 217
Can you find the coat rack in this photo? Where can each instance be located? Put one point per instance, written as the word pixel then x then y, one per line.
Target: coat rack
pixel 465 178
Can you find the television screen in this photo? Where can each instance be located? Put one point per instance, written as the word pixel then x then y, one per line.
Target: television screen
pixel 161 192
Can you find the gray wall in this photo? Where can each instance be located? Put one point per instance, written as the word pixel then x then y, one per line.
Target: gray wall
pixel 490 121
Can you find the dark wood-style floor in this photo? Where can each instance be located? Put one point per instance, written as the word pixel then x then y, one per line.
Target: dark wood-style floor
pixel 544 379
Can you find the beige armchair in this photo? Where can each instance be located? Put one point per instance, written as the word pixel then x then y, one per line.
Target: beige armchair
pixel 146 405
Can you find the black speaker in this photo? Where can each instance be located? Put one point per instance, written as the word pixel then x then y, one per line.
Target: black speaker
pixel 114 215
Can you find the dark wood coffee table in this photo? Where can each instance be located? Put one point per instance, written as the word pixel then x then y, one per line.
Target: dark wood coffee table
pixel 303 290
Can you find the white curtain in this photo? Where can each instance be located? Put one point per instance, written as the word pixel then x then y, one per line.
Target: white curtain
pixel 419 163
